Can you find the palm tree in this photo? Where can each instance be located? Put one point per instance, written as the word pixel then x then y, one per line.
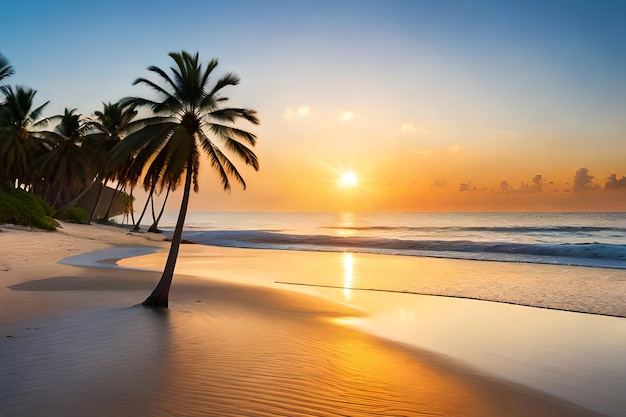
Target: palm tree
pixel 188 118
pixel 66 169
pixel 111 124
pixel 19 144
pixel 5 68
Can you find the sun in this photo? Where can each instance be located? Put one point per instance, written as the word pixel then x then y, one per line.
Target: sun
pixel 348 180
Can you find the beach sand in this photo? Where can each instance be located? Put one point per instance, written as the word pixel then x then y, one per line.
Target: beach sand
pixel 73 342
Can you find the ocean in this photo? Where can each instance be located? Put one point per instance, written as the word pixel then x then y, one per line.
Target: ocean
pixel 578 239
pixel 563 261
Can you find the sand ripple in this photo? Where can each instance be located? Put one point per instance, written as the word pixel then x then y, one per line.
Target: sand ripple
pixel 219 359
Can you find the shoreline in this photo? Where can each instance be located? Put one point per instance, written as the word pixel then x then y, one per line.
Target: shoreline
pixel 86 300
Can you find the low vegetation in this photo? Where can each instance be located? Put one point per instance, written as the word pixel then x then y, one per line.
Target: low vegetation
pixel 73 215
pixel 22 208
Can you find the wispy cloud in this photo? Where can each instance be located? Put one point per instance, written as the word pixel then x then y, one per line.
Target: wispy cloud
pixel 410 127
pixel 346 116
pixel 424 152
pixel 454 148
pixel 299 112
pixel 439 183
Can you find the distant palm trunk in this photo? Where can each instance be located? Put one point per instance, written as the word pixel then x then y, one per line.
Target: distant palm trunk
pixel 115 194
pixel 155 226
pixel 145 207
pixel 98 198
pixel 132 209
pixel 160 295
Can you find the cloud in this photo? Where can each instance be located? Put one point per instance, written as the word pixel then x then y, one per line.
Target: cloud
pixel 583 181
pixel 439 183
pixel 409 127
pixel 535 187
pixel 424 152
pixel 466 186
pixel 300 112
pixel 612 183
pixel 454 148
pixel 346 116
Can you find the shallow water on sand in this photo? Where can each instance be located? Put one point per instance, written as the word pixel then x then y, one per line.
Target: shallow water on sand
pixel 578 357
pixel 221 358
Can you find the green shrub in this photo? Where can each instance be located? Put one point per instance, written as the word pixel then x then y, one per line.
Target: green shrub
pixel 73 215
pixel 19 207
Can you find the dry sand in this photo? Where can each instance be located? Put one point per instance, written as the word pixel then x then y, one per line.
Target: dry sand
pixel 73 342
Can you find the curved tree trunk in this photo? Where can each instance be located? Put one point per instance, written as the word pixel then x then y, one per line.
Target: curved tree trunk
pixel 145 207
pixel 98 198
pixel 115 194
pixel 72 202
pixel 155 226
pixel 132 208
pixel 160 295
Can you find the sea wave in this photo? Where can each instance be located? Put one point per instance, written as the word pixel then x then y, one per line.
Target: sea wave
pixel 592 254
pixel 496 229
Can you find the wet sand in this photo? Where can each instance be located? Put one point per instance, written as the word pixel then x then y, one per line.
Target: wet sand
pixel 74 343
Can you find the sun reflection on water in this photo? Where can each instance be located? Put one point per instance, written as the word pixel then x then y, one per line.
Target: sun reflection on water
pixel 348 274
pixel 346 224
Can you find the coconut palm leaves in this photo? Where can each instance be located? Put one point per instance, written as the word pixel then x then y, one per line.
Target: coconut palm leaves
pixel 19 144
pixel 5 68
pixel 65 169
pixel 188 120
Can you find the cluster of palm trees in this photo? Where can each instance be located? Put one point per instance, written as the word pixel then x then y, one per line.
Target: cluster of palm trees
pixel 61 164
pixel 158 152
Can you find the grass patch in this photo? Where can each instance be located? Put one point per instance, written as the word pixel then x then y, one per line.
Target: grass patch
pixel 19 207
pixel 73 215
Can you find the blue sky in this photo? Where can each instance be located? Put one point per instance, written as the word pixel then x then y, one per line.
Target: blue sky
pixel 482 90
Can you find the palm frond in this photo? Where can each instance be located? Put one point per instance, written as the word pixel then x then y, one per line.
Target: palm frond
pixel 167 79
pixel 229 79
pixel 148 139
pixel 221 163
pixel 6 69
pixel 228 132
pixel 232 114
pixel 166 94
pixel 207 72
pixel 242 152
pixel 215 161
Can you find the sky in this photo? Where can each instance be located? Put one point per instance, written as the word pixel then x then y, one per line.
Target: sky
pixel 434 105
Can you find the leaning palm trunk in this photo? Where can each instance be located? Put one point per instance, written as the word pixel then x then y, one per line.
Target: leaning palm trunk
pixel 155 226
pixel 145 207
pixel 72 202
pixel 116 192
pixel 98 198
pixel 160 295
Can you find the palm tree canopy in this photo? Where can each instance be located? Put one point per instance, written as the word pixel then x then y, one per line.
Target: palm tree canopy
pixel 66 166
pixel 17 109
pixel 188 115
pixel 115 118
pixel 19 144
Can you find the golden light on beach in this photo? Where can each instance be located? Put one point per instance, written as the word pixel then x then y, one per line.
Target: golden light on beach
pixel 348 274
pixel 348 179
